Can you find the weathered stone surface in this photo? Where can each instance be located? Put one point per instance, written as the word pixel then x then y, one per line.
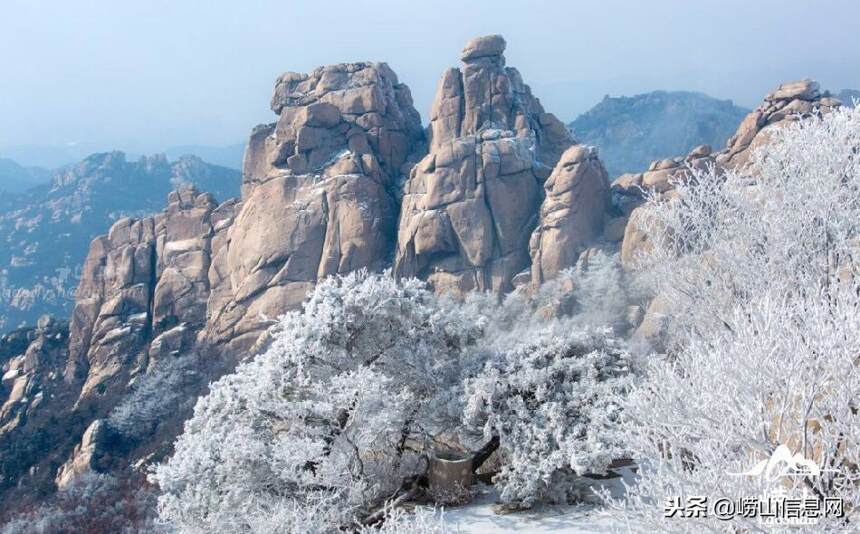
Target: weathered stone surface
pixel 628 193
pixel 470 205
pixel 789 102
pixel 31 364
pixel 654 323
pixel 143 278
pixel 802 89
pixel 572 214
pixel 47 232
pixel 355 108
pixel 318 197
pixel 636 240
pixel 86 455
pixel 486 46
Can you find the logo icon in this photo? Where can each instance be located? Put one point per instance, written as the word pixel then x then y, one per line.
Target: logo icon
pixel 782 463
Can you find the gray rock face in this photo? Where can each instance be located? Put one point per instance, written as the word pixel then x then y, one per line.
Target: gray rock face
pixel 628 192
pixel 353 111
pixel 140 281
pixel 86 454
pixel 46 232
pixel 318 196
pixel 486 46
pixel 572 214
pixel 789 102
pixel 35 433
pixel 471 204
pixel 31 361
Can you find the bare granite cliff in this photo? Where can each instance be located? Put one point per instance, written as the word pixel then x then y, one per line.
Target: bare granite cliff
pixel 319 194
pixel 144 286
pixel 470 205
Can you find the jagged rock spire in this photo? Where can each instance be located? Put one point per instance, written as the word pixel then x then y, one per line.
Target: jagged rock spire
pixel 470 205
pixel 318 196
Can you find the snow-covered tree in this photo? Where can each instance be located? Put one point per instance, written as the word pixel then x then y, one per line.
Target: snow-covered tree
pixel 551 402
pixel 164 390
pixel 759 268
pixel 327 423
pixel 330 427
pixel 94 503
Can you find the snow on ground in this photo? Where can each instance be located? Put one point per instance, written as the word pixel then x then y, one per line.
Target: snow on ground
pixel 479 517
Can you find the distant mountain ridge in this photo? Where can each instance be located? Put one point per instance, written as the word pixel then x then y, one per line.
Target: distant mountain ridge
pixel 55 157
pixel 46 230
pixel 632 131
pixel 226 156
pixel 15 178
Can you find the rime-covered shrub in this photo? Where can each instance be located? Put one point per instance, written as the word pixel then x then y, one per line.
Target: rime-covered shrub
pixel 761 271
pixel 321 431
pixel 422 520
pixel 96 504
pixel 594 294
pixel 155 396
pixel 318 431
pixel 550 401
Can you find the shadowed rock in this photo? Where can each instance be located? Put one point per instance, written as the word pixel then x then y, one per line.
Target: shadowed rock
pixel 572 214
pixel 471 204
pixel 319 194
pixel 140 281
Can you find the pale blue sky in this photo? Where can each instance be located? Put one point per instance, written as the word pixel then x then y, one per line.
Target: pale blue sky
pixel 143 75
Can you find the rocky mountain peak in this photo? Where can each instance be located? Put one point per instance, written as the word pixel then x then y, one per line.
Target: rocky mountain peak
pixel 572 214
pixel 349 117
pixel 48 229
pixel 318 196
pixel 488 47
pixel 789 102
pixel 805 89
pixel 471 204
pixel 143 279
pixel 486 95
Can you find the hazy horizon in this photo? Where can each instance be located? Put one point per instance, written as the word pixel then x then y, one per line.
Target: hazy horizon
pixel 143 78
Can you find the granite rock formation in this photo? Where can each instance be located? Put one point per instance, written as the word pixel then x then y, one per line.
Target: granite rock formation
pixel 628 190
pixel 46 231
pixel 145 281
pixel 471 204
pixel 319 195
pixel 572 214
pixel 35 432
pixel 789 102
pixel 32 361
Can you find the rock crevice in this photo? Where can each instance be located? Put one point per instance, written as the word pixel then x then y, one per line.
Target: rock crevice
pixel 471 204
